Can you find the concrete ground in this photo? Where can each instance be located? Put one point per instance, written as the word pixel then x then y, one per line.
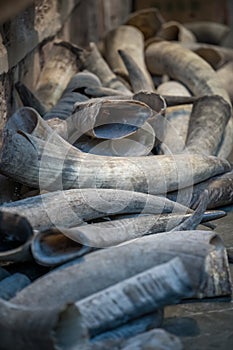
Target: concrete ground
pixel 206 325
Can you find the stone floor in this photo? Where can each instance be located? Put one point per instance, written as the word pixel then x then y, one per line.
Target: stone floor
pixel 206 325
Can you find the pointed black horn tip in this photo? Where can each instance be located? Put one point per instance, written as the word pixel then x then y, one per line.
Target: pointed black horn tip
pixel 196 218
pixel 120 51
pixel 18 84
pixel 203 202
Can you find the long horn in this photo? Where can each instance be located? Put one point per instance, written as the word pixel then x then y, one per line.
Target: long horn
pixel 57 165
pixel 50 86
pixel 114 232
pixel 93 274
pixel 219 188
pixel 171 59
pixel 131 40
pixel 100 118
pixel 208 120
pixel 77 206
pixel 93 61
pixel 45 328
pixel 148 291
pixel 220 191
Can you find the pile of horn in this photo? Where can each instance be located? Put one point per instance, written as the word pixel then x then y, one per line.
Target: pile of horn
pixel 127 152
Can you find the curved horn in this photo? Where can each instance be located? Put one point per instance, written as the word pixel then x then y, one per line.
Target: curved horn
pixel 208 32
pixel 92 274
pixel 93 61
pixel 127 38
pixel 170 58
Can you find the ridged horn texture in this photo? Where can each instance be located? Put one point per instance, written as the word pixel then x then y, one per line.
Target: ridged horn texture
pixel 58 245
pixel 200 78
pixel 220 189
pixel 129 39
pixel 93 273
pixel 174 60
pixel 93 61
pixel 55 164
pixel 100 119
pixel 46 328
pixel 73 207
pixel 114 232
pixel 50 86
pixel 150 290
pixel 208 121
